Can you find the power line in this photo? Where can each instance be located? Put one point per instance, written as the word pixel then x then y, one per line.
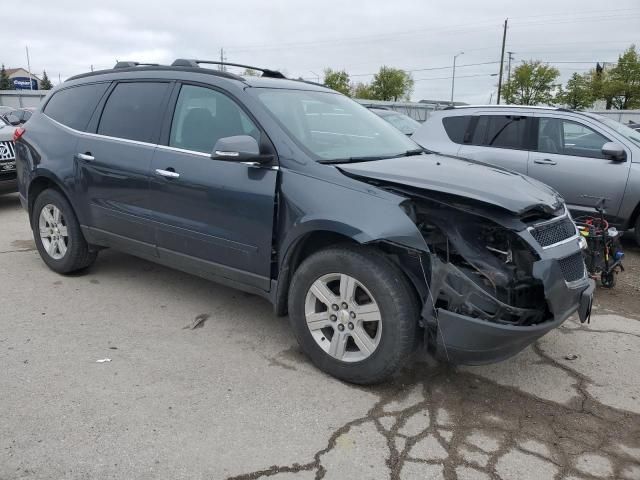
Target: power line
pixel 429 68
pixel 457 76
pixel 450 28
pixel 571 14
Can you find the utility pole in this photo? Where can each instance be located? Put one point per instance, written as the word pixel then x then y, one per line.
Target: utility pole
pixel 504 39
pixel 453 77
pixel 29 68
pixel 221 67
pixel 509 65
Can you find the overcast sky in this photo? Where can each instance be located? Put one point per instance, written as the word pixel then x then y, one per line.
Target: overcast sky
pixel 302 38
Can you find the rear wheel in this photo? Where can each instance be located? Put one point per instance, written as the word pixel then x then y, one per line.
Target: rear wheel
pixel 637 230
pixel 354 313
pixel 57 234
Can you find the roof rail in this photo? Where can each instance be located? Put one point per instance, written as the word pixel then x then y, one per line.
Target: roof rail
pixel 184 62
pixel 134 64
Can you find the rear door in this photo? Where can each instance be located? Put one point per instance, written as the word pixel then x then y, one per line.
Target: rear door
pixel 502 140
pixel 214 217
pixel 568 156
pixel 113 163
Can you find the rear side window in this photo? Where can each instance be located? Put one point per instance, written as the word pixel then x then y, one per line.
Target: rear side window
pixel 134 111
pixel 74 106
pixel 456 127
pixel 501 131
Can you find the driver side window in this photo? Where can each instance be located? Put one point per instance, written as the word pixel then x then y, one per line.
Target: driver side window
pixel 566 137
pixel 203 116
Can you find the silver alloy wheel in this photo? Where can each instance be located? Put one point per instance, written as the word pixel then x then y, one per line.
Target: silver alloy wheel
pixel 53 231
pixel 343 317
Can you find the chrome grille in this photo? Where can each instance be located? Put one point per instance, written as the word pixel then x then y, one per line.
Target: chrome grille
pixel 572 267
pixel 7 151
pixel 554 232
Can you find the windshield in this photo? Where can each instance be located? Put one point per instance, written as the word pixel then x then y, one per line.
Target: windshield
pixel 333 127
pixel 623 130
pixel 405 124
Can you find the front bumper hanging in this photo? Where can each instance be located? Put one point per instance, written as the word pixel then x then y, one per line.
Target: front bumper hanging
pixel 466 339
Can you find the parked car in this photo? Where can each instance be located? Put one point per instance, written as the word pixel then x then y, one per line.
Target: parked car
pixel 584 156
pixel 8 182
pixel 17 116
pixel 402 122
pixel 294 192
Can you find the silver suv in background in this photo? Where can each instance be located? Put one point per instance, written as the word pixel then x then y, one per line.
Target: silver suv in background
pixel 583 156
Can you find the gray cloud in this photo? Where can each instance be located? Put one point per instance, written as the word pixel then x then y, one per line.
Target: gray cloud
pixel 302 38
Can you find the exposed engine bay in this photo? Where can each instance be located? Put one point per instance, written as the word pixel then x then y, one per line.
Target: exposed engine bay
pixel 500 267
pixel 479 268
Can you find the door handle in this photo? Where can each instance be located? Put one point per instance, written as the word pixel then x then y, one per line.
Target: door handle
pixel 167 173
pixel 87 157
pixel 545 161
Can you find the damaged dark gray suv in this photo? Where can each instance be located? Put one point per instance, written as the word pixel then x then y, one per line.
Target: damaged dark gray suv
pixel 296 193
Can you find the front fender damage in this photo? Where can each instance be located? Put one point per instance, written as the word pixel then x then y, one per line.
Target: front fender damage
pixel 490 289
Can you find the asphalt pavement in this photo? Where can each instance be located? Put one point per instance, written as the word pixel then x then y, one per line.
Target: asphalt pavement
pixel 134 371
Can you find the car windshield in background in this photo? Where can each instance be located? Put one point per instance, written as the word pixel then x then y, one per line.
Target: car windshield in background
pixel 332 127
pixel 405 124
pixel 620 128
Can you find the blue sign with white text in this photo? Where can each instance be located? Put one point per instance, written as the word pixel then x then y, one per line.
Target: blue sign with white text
pixel 23 83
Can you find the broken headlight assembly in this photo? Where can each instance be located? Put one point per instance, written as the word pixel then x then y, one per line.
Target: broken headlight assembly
pixel 480 269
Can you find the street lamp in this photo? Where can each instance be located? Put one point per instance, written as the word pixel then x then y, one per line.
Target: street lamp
pixel 453 77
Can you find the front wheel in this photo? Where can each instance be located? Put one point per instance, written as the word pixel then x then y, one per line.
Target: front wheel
pixel 57 234
pixel 354 313
pixel 608 280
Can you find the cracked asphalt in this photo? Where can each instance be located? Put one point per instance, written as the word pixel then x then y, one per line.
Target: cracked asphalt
pixel 205 382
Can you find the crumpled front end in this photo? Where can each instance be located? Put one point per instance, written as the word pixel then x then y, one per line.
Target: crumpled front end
pixel 498 282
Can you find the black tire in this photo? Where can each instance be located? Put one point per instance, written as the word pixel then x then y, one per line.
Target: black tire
pixel 608 280
pixel 78 255
pixel 396 299
pixel 637 231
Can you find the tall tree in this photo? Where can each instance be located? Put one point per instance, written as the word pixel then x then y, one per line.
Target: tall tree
pixel 623 81
pixel 577 94
pixel 45 83
pixel 5 82
pixel 363 90
pixel 338 80
pixel 531 83
pixel 392 84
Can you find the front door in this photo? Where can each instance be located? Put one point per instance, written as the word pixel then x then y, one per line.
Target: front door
pixel 212 216
pixel 113 165
pixel 569 158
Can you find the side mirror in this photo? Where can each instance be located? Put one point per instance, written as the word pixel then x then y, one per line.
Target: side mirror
pixel 614 151
pixel 13 120
pixel 239 148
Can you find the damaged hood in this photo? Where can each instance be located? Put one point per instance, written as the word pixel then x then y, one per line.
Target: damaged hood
pixel 463 178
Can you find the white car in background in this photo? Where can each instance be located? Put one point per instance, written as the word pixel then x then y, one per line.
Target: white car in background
pixel 8 182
